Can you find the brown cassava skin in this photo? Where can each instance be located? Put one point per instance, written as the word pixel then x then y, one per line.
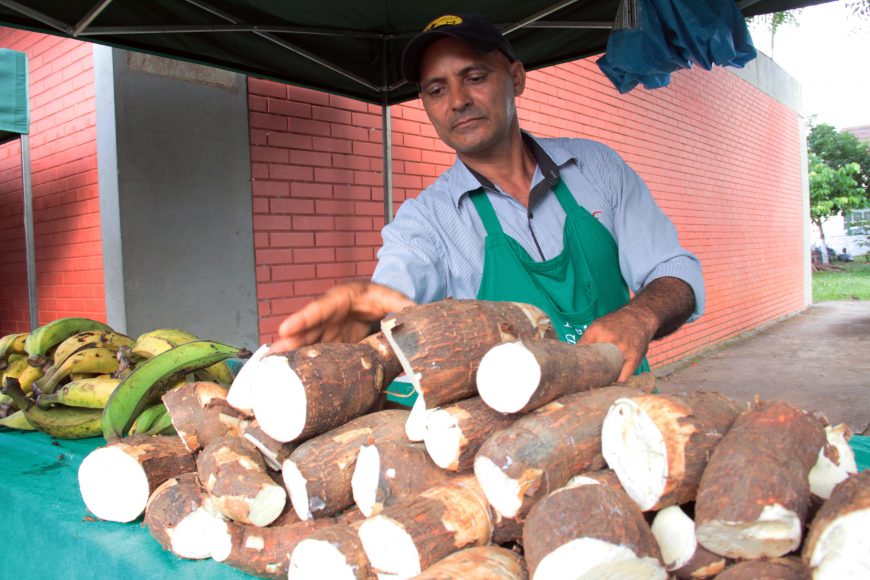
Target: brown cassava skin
pixel 764 459
pixel 849 495
pixel 692 426
pixel 162 457
pixel 341 382
pixel 441 344
pixel 444 519
pixel 479 563
pixel 389 360
pixel 477 422
pixel 550 445
pixel 594 511
pixel 200 414
pixel 274 452
pixel 265 552
pixel 345 539
pixel 328 460
pixel 773 569
pixel 405 470
pixel 170 503
pixel 702 564
pixel 571 368
pixel 233 472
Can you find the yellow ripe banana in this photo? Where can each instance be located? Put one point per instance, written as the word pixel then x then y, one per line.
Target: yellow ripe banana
pixel 12 343
pixel 219 373
pixel 5 363
pixel 90 393
pixel 60 422
pixel 16 369
pixel 150 346
pixel 17 420
pixel 176 336
pixel 90 339
pixel 28 377
pixel 93 360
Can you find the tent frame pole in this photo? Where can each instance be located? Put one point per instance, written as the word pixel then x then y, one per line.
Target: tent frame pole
pixel 29 245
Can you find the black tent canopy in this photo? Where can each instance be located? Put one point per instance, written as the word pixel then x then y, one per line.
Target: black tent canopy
pixel 346 47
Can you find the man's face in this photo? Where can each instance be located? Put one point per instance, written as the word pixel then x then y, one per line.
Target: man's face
pixel 469 95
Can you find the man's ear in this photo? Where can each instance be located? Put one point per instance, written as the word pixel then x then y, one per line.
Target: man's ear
pixel 518 76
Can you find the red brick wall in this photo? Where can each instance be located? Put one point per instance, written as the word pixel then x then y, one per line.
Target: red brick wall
pixel 66 207
pixel 721 157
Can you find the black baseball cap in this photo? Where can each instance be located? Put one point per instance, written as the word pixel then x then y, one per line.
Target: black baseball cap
pixel 472 29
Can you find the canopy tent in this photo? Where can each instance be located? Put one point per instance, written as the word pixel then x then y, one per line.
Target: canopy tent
pixel 15 124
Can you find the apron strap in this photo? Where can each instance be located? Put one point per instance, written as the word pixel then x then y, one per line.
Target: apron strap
pixel 486 212
pixel 566 199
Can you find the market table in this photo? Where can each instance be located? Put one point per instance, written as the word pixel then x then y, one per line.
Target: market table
pixel 48 532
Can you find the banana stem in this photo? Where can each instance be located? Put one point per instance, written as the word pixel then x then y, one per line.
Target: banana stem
pixel 12 388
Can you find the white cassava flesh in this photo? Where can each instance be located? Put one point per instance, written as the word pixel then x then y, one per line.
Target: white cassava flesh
pixel 675 533
pixel 843 549
pixel 390 548
pixel 267 505
pixel 365 479
pixel 595 559
pixel 826 474
pixel 777 531
pixel 443 438
pixel 241 393
pixel 279 401
pixel 415 426
pixel 634 447
pixel 297 488
pixel 508 376
pixel 201 534
pixel 504 493
pixel 113 485
pixel 319 560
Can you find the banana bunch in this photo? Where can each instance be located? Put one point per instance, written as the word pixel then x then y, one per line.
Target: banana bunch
pixel 13 363
pixel 154 377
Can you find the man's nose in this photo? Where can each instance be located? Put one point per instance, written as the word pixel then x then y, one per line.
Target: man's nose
pixel 459 96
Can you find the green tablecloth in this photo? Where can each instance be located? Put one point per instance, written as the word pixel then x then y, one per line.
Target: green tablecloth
pixel 48 533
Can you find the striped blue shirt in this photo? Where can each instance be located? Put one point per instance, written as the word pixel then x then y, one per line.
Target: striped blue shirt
pixel 434 247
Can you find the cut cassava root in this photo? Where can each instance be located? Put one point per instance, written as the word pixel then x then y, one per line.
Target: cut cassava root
pixel 200 414
pixel 392 471
pixel 658 445
pixel 753 497
pixel 116 480
pixel 479 563
pixel 234 474
pixel 773 569
pixel 454 434
pixel 519 376
pixel 316 388
pixel 682 554
pixel 838 542
pixel 440 345
pixel 544 449
pixel 335 552
pixel 592 529
pixel 318 473
pixel 408 537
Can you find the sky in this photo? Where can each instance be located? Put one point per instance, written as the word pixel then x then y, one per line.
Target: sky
pixel 829 54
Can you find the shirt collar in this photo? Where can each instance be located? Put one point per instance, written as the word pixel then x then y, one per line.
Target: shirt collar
pixel 550 156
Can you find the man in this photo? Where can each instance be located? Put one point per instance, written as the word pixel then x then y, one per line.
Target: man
pixel 513 218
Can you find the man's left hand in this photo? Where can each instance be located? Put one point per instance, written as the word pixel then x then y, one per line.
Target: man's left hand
pixel 630 329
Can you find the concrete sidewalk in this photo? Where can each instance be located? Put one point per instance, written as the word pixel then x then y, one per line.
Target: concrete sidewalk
pixel 818 360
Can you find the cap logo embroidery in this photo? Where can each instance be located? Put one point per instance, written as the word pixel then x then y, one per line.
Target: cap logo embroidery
pixel 446 20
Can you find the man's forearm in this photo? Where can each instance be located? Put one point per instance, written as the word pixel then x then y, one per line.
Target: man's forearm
pixel 665 304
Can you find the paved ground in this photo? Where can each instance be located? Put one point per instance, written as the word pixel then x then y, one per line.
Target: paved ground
pixel 819 360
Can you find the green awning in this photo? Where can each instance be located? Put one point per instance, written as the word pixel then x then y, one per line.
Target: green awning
pixel 14 110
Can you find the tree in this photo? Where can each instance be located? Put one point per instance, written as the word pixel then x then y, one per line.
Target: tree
pixel 838 149
pixel 832 191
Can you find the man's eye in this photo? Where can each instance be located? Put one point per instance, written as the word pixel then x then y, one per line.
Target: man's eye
pixel 435 91
pixel 476 78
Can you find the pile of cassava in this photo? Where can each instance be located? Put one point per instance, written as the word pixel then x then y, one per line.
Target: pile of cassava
pixel 520 458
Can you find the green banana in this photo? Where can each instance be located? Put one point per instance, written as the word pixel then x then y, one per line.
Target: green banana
pixel 96 361
pixel 152 421
pixel 90 393
pixel 89 339
pixel 152 378
pixel 59 422
pixel 158 341
pixel 12 343
pixel 17 420
pixel 48 336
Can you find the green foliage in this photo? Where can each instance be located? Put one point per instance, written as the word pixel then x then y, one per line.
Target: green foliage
pixel 832 191
pixel 851 283
pixel 838 149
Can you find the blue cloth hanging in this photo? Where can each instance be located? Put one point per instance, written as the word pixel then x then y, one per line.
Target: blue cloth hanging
pixel 653 38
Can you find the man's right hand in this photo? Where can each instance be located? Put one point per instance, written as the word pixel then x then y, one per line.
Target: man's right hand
pixel 343 314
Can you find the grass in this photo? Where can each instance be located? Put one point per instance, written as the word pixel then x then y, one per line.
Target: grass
pixel 852 283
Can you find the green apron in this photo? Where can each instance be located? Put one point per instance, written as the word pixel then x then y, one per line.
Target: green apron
pixel 574 288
